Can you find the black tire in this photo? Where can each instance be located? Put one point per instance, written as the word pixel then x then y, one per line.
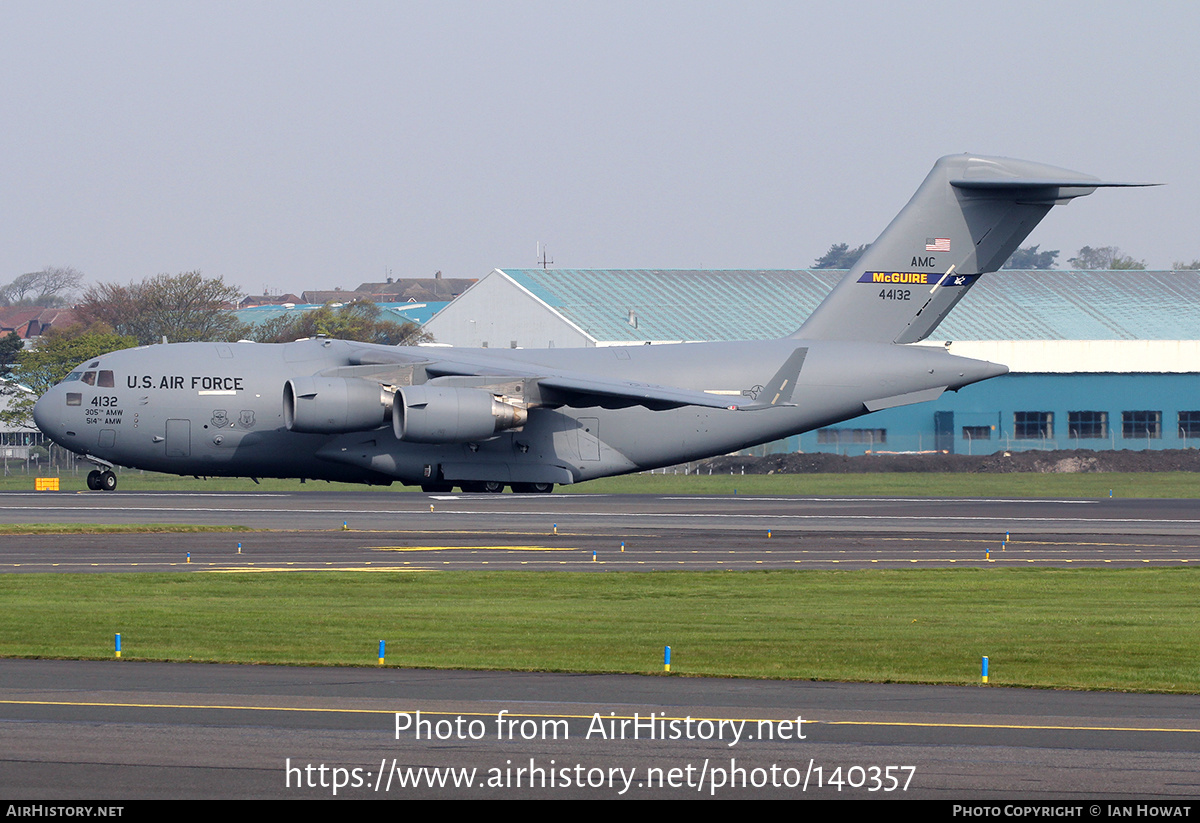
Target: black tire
pixel 108 481
pixel 93 480
pixel 482 487
pixel 533 488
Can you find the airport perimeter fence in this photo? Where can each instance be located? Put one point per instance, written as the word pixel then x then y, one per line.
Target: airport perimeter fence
pixel 45 459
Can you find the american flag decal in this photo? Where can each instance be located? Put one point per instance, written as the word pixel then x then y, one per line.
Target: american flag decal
pixel 937 244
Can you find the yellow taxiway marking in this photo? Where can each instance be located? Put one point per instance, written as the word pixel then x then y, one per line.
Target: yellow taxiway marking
pixel 541 533
pixel 256 569
pixel 484 549
pixel 588 717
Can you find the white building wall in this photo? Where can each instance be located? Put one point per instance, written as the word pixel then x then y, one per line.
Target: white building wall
pixel 495 312
pixel 1086 356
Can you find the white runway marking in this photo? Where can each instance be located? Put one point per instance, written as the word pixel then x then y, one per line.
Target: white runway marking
pixel 892 500
pixel 613 515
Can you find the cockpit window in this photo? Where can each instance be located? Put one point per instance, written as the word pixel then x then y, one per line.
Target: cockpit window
pixel 72 377
pixel 89 377
pixel 106 379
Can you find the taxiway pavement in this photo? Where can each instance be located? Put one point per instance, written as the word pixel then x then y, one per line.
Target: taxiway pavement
pixel 124 730
pixel 374 531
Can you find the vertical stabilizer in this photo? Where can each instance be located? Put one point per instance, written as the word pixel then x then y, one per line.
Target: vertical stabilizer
pixel 966 219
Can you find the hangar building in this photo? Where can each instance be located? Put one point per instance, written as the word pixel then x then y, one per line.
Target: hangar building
pixel 1099 360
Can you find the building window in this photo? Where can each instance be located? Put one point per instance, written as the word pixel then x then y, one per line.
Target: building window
pixel 1141 424
pixel 977 432
pixel 1082 425
pixel 1189 424
pixel 1033 425
pixel 852 436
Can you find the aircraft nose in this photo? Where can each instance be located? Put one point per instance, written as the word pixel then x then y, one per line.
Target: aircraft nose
pixel 41 412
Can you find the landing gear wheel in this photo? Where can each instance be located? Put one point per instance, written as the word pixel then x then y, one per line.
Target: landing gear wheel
pixel 483 487
pixel 93 480
pixel 533 488
pixel 108 481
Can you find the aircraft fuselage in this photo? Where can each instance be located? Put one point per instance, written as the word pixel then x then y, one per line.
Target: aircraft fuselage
pixel 218 409
pixel 483 419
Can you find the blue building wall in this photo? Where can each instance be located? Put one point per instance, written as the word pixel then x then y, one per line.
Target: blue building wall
pixel 994 404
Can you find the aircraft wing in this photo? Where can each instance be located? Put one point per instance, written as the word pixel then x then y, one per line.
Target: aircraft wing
pixel 584 389
pixel 555 387
pixel 609 393
pixel 561 388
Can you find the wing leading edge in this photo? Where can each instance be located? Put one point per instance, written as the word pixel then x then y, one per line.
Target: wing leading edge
pixel 559 387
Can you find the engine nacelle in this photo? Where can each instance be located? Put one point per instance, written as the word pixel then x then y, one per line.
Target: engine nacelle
pixel 334 405
pixel 443 414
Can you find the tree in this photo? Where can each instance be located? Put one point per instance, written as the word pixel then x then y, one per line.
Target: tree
pixel 361 320
pixel 1127 263
pixel 10 346
pixel 56 353
pixel 1103 258
pixel 1028 257
pixel 182 307
pixel 1179 265
pixel 49 287
pixel 840 256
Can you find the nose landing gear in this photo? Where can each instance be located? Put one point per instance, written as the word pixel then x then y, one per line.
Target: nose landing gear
pixel 101 480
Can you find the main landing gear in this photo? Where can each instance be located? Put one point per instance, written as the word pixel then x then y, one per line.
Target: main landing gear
pixel 483 486
pixel 532 488
pixel 488 487
pixel 101 480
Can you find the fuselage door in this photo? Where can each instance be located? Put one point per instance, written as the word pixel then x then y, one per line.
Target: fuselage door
pixel 179 438
pixel 588 434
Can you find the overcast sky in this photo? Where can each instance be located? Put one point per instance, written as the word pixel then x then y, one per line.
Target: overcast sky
pixel 303 145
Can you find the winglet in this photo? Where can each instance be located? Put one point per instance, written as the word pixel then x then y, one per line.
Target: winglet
pixel 779 389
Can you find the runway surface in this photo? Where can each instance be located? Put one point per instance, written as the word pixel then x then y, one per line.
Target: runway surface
pixel 125 730
pixel 376 531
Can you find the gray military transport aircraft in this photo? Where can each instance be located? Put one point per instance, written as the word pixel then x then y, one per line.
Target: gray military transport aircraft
pixel 483 419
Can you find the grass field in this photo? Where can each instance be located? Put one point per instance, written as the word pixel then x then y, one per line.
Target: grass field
pixel 1127 630
pixel 1089 485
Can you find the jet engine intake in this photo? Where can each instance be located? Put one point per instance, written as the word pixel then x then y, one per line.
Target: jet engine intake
pixel 442 414
pixel 335 405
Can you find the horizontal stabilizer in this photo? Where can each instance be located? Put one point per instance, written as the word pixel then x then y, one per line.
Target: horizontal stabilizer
pixel 1039 190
